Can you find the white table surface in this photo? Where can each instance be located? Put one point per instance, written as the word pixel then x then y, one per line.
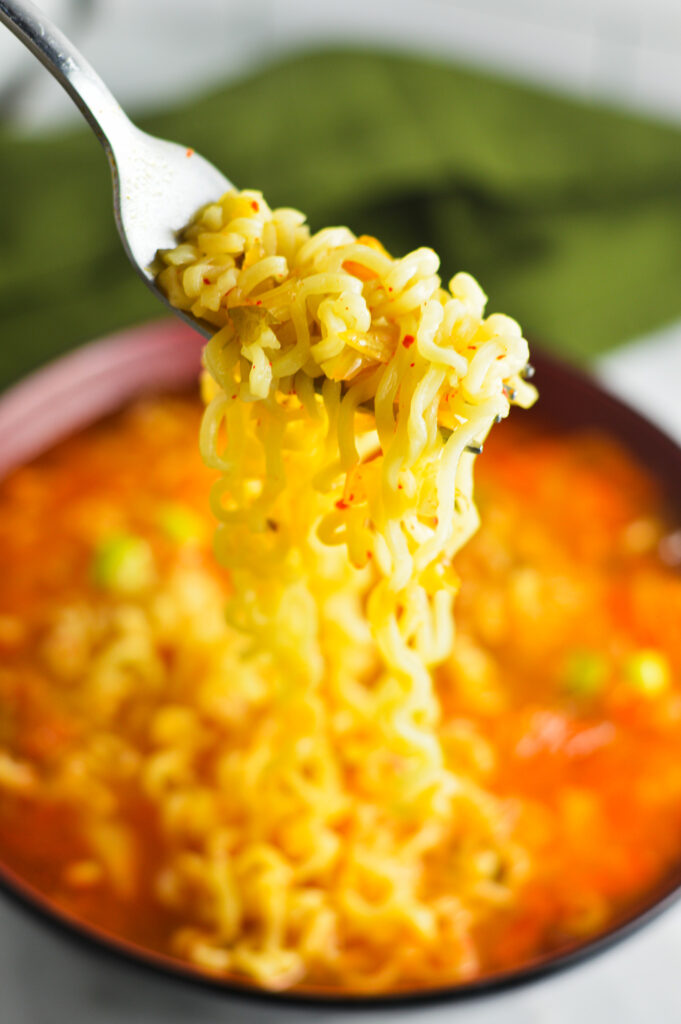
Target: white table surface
pixel 43 978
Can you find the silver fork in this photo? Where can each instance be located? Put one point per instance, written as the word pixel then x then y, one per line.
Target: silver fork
pixel 158 186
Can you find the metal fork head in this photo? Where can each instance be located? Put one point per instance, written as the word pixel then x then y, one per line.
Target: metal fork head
pixel 158 187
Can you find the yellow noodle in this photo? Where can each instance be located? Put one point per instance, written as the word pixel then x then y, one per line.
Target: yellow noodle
pixel 339 527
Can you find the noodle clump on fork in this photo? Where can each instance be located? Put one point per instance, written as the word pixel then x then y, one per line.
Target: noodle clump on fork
pixel 347 393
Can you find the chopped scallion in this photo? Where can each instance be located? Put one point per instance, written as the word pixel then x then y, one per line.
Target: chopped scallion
pixel 584 673
pixel 123 563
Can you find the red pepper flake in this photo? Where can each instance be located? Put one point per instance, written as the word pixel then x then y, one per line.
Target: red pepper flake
pixel 206 280
pixel 259 302
pixel 389 289
pixel 189 152
pixel 369 554
pixel 473 347
pixel 408 340
pixel 341 504
pixel 500 357
pixel 412 364
pixel 399 487
pixel 254 206
pixel 436 520
pixel 359 270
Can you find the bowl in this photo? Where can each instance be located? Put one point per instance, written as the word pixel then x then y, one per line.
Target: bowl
pixel 91 382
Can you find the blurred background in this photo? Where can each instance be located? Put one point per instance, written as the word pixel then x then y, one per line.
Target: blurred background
pixel 624 51
pixel 533 142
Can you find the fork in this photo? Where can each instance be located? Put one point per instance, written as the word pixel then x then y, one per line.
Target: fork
pixel 157 185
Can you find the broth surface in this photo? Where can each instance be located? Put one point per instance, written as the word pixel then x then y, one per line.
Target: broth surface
pixel 562 697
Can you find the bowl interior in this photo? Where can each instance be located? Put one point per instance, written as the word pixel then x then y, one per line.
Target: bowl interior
pixel 99 378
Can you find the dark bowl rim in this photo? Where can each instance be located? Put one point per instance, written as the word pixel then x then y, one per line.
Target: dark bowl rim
pixel 637 433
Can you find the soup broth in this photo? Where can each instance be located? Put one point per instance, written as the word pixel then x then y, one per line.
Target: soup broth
pixel 561 700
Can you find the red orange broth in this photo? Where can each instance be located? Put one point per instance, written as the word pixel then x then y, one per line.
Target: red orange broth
pixel 565 565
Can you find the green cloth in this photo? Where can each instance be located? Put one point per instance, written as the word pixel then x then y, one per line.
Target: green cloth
pixel 569 215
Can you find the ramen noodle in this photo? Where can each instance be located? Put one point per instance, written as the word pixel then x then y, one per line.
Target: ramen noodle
pixel 348 393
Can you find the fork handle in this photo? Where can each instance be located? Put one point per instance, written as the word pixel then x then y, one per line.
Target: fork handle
pixel 61 58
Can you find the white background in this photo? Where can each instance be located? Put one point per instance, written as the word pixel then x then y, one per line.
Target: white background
pixel 150 52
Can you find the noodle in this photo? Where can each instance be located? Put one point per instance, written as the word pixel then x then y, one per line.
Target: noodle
pixel 346 394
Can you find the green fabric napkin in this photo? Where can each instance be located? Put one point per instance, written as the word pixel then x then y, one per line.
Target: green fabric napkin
pixel 569 215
